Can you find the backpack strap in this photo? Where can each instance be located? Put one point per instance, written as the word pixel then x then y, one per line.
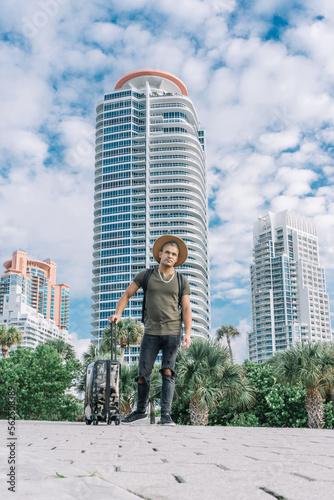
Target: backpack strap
pixel 147 276
pixel 181 286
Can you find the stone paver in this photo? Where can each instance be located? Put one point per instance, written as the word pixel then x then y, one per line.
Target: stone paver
pixel 74 461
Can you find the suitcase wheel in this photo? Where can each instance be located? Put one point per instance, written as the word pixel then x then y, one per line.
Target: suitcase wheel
pixel 88 422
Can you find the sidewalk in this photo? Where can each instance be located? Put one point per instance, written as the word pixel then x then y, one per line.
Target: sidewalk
pixel 67 461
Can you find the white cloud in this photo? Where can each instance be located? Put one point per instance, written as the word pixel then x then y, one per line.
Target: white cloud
pixel 275 142
pixel 296 182
pixel 106 34
pixel 197 73
pixel 267 107
pixel 80 345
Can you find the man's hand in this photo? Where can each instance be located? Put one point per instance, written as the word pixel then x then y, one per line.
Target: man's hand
pixel 114 318
pixel 186 342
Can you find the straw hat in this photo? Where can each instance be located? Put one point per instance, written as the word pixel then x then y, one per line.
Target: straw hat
pixel 162 240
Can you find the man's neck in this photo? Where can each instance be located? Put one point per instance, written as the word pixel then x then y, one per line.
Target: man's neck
pixel 165 270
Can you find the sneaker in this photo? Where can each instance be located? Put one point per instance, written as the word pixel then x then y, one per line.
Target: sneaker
pixel 166 419
pixel 135 415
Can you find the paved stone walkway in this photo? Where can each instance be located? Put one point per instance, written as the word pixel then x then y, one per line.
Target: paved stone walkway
pixel 67 461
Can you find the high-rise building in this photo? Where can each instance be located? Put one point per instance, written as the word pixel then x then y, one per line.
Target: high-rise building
pixel 289 299
pixel 150 179
pixel 31 300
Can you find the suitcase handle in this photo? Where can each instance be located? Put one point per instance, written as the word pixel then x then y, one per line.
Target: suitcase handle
pixel 113 341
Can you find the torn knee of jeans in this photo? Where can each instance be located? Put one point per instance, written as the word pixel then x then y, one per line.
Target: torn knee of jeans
pixel 144 380
pixel 163 374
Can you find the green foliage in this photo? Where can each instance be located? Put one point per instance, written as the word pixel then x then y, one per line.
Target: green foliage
pixel 65 350
pixel 70 409
pixel 244 420
pixel 180 412
pixel 228 332
pixel 8 337
pixel 222 413
pixel 312 365
pixel 328 416
pixel 128 385
pixel 286 407
pixel 40 379
pixel 207 375
pixel 128 331
pixel 275 405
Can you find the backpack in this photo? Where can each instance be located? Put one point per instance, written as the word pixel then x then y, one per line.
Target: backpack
pixel 147 276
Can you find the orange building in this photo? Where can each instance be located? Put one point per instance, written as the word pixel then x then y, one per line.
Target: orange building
pixel 31 300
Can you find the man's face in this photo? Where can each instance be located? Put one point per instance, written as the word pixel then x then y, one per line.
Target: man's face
pixel 169 256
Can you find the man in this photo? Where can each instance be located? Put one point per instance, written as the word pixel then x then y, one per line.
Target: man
pixel 163 324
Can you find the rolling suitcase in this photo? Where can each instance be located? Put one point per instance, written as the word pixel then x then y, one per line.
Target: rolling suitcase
pixel 102 396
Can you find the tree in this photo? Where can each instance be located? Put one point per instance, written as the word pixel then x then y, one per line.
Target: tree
pixel 40 379
pixel 155 391
pixel 228 331
pixel 312 366
pixel 206 375
pixel 8 337
pixel 128 388
pixel 329 352
pixel 65 350
pixel 128 332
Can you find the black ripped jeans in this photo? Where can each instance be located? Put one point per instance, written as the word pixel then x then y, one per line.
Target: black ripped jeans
pixel 149 349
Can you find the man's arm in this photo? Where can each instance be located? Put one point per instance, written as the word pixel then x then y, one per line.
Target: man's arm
pixel 123 302
pixel 186 314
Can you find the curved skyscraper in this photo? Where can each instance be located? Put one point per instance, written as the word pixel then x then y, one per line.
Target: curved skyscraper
pixel 150 179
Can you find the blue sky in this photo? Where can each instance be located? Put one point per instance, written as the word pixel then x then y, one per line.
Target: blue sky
pixel 261 75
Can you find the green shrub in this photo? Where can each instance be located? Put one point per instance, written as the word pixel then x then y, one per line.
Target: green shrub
pixel 180 413
pixel 40 379
pixel 328 416
pixel 275 405
pixel 244 420
pixel 286 407
pixel 222 414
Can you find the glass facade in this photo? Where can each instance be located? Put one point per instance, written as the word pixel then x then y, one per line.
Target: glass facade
pixel 150 179
pixel 289 299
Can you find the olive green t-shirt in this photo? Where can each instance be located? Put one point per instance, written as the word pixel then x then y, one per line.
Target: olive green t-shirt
pixel 162 299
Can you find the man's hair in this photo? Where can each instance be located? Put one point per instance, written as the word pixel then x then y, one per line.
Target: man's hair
pixel 173 243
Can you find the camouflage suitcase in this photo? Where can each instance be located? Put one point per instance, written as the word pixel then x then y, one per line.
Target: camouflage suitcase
pixel 102 397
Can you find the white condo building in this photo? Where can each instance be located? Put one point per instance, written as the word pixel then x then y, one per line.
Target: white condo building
pixel 150 179
pixel 288 290
pixel 35 328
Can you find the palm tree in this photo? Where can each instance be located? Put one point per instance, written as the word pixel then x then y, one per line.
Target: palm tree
pixel 155 391
pixel 329 348
pixel 65 350
pixel 128 388
pixel 8 337
pixel 205 375
pixel 227 331
pixel 128 332
pixel 312 365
